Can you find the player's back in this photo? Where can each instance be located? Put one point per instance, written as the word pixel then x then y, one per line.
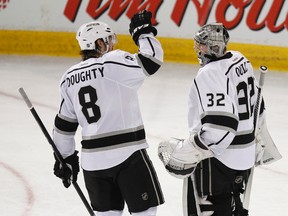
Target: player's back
pixel 103 94
pixel 241 87
pixel 227 92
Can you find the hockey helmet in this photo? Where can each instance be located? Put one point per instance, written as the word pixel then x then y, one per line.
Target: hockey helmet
pixel 210 42
pixel 88 33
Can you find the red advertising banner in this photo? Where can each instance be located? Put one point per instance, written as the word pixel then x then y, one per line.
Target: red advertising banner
pixel 3 4
pixel 252 9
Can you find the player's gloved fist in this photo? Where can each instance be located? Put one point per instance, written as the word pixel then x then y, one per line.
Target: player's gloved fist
pixel 69 172
pixel 141 24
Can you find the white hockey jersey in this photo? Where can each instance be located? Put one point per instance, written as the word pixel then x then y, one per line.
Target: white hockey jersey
pixel 221 103
pixel 100 94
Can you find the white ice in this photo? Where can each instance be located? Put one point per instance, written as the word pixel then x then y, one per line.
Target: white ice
pixel 27 184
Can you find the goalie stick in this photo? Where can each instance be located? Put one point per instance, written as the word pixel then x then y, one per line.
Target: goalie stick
pixel 56 151
pixel 247 193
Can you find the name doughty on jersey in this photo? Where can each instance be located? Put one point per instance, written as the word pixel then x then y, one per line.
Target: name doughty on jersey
pixel 83 76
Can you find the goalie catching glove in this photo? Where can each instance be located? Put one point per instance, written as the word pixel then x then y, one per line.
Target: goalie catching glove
pixel 180 157
pixel 69 172
pixel 141 24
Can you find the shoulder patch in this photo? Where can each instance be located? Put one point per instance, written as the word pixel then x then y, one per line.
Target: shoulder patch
pixel 130 58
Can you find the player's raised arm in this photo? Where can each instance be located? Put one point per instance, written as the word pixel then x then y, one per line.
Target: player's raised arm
pixel 150 55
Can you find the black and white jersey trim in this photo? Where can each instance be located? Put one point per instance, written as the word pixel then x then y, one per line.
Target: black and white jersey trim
pixel 148 62
pixel 101 64
pixel 64 125
pixel 114 140
pixel 198 94
pixel 149 65
pixel 151 45
pixel 223 138
pixel 243 139
pixel 232 65
pixel 227 86
pixel 152 172
pixel 220 120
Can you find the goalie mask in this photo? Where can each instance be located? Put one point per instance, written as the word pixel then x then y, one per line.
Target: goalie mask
pixel 210 42
pixel 90 32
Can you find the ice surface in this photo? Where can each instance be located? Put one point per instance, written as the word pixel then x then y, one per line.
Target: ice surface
pixel 27 184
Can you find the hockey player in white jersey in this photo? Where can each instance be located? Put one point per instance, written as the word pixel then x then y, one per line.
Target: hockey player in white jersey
pixel 220 150
pixel 100 95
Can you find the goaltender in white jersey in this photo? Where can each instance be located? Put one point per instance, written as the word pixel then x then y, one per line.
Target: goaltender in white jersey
pixel 100 95
pixel 216 159
pixel 221 102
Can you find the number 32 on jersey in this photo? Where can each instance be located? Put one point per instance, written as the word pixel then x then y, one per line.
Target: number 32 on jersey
pixel 245 91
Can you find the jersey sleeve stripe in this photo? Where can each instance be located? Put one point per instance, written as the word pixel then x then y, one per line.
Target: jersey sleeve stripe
pixel 243 139
pixel 64 125
pixel 221 120
pixel 148 64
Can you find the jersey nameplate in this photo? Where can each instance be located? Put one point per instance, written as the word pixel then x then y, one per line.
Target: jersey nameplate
pixel 83 76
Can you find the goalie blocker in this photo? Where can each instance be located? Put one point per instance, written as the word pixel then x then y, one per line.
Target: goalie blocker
pixel 180 157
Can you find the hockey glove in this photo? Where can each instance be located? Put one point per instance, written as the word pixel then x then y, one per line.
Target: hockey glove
pixel 180 157
pixel 141 24
pixel 69 172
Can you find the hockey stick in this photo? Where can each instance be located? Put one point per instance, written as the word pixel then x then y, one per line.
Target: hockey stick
pixel 56 151
pixel 247 193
